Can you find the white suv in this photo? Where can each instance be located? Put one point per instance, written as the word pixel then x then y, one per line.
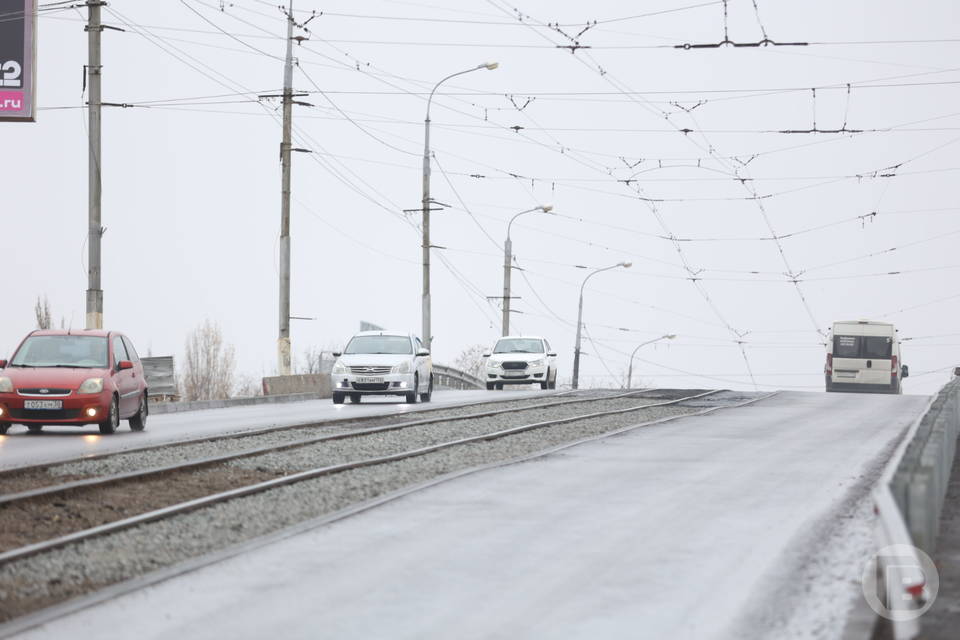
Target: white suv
pixel 384 364
pixel 521 360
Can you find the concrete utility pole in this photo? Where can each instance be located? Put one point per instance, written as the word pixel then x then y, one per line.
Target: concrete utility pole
pixel 426 338
pixel 283 340
pixel 508 267
pixel 94 227
pixel 576 349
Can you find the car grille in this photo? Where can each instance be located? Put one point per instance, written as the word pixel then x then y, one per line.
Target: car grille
pixel 44 414
pixel 370 370
pixel 365 386
pixel 514 365
pixel 47 391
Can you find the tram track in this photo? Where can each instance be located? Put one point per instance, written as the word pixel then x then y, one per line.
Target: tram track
pixel 176 530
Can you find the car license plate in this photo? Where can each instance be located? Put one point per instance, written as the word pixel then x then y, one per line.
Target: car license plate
pixel 514 374
pixel 369 380
pixel 43 404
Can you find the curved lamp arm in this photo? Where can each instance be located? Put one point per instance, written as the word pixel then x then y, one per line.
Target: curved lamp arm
pixel 486 65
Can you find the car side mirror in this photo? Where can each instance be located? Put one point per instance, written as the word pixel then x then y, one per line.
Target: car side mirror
pixel 486 354
pixel 904 371
pixel 337 354
pixel 423 352
pixel 123 365
pixel 3 364
pixel 552 354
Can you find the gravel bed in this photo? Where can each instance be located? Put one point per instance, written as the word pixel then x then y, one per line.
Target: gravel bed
pixel 389 442
pixel 175 454
pixel 34 582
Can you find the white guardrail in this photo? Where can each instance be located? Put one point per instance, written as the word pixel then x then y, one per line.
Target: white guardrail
pixel 908 503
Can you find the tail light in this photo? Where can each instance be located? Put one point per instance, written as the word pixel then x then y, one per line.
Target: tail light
pixel 893 366
pixel 829 367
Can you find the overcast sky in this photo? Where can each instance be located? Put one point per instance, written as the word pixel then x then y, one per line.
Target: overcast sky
pixel 630 139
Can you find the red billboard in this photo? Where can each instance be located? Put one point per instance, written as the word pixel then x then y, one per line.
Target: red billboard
pixel 18 31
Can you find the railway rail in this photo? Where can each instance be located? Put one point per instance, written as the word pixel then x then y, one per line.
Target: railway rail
pixel 35 538
pixel 198 509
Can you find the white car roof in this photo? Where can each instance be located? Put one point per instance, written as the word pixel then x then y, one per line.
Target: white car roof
pixel 384 333
pixel 520 338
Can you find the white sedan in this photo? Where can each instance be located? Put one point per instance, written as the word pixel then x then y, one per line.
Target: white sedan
pixel 384 364
pixel 521 360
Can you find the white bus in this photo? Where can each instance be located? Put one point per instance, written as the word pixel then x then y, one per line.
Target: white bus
pixel 864 356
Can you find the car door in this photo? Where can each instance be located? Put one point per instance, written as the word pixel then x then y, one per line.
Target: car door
pixel 138 374
pixel 423 365
pixel 551 360
pixel 127 385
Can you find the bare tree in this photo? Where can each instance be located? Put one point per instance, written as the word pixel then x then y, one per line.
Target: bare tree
pixel 248 386
pixel 470 360
pixel 42 311
pixel 311 360
pixel 209 366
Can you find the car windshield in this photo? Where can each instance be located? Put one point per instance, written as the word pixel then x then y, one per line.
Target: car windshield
pixel 89 352
pixel 396 345
pixel 869 347
pixel 519 345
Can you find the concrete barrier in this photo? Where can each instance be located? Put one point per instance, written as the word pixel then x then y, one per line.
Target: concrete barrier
pixel 200 405
pixel 318 383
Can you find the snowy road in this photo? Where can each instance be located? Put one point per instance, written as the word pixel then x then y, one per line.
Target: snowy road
pixel 671 531
pixel 19 448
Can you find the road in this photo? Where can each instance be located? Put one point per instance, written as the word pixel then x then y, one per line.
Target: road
pixel 689 529
pixel 19 448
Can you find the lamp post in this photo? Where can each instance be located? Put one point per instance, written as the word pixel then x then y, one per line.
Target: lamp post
pixel 507 260
pixel 425 203
pixel 576 350
pixel 669 336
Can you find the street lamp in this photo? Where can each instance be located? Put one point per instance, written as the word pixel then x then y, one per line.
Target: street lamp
pixel 507 260
pixel 426 337
pixel 669 336
pixel 576 350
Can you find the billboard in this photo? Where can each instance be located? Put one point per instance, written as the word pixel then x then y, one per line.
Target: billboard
pixel 18 28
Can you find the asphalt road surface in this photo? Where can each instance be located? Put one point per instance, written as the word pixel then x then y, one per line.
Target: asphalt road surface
pixel 689 529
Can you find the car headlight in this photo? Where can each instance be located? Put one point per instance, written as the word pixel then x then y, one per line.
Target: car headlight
pixel 493 364
pixel 91 385
pixel 6 385
pixel 403 367
pixel 339 368
pixel 535 363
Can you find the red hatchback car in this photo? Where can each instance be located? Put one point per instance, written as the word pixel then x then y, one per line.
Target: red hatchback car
pixel 73 378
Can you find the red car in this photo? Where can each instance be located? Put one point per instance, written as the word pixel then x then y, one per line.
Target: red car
pixel 73 378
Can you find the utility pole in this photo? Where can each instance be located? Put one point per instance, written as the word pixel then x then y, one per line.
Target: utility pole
pixel 507 258
pixel 283 340
pixel 507 266
pixel 94 227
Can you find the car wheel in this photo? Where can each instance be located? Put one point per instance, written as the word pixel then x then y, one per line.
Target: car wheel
pixel 138 421
pixel 355 398
pixel 3 427
pixel 338 398
pixel 553 383
pixel 546 382
pixel 425 397
pixel 413 396
pixel 34 428
pixel 113 419
pixel 490 386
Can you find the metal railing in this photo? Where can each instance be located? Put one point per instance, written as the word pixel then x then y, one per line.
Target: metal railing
pixel 909 501
pixel 452 378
